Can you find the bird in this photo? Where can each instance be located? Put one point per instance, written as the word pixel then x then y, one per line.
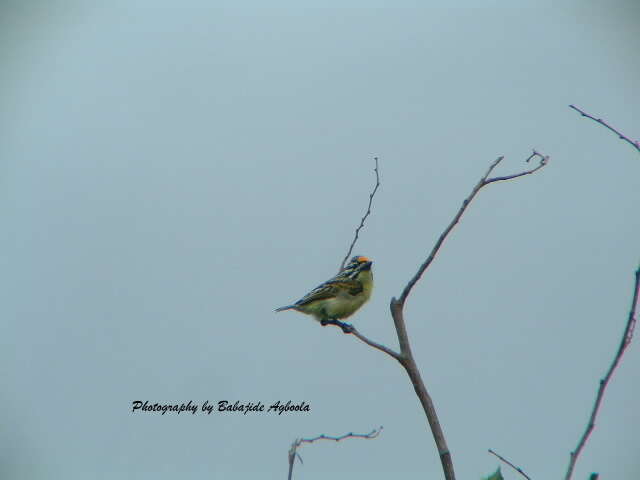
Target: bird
pixel 339 297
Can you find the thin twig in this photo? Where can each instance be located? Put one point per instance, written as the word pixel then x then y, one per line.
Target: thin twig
pixel 484 181
pixel 293 453
pixel 379 346
pixel 621 136
pixel 624 343
pixel 367 213
pixel 543 161
pixel 517 469
pixel 349 328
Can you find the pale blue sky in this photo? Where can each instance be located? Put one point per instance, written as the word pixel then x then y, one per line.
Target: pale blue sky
pixel 172 172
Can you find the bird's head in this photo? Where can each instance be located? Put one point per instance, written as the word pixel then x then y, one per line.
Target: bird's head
pixel 356 265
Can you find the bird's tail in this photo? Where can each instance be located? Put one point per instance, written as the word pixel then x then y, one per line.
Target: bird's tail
pixel 288 307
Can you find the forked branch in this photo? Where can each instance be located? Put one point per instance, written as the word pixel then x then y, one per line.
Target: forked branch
pixel 483 182
pixel 405 356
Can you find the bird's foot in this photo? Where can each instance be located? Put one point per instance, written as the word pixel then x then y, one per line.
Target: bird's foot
pixel 346 327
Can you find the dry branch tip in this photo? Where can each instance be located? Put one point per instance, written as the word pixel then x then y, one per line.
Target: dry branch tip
pixel 367 213
pixel 517 469
pixel 635 144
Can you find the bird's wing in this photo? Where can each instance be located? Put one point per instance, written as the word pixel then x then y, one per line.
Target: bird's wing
pixel 354 287
pixel 330 289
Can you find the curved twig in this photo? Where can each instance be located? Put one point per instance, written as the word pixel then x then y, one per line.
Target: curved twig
pixel 484 181
pixel 627 335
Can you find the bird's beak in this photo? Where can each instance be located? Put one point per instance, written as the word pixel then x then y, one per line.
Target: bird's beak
pixel 366 266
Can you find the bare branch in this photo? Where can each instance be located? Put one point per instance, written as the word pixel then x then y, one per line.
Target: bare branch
pixel 621 136
pixel 624 343
pixel 410 366
pixel 517 469
pixel 293 453
pixel 405 356
pixel 484 181
pixel 367 213
pixel 397 312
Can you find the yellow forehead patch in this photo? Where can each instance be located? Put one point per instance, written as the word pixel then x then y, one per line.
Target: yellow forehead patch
pixel 362 259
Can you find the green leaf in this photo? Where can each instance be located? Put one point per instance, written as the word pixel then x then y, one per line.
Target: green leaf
pixel 497 475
